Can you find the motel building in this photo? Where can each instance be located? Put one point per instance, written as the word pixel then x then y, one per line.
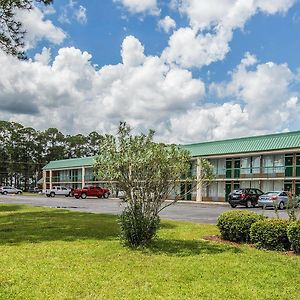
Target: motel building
pixel 267 162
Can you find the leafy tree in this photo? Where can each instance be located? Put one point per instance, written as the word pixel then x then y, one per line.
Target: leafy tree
pixel 54 144
pixel 11 31
pixel 94 140
pixel 148 173
pixel 76 145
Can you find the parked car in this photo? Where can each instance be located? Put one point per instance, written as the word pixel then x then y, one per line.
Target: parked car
pixel 4 190
pixel 121 195
pixel 246 196
pixel 91 191
pixel 58 190
pixel 275 199
pixel 34 190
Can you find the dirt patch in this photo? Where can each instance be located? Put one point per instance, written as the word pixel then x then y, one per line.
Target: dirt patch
pixel 218 239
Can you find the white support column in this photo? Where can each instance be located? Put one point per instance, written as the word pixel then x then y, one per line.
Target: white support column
pixel 44 179
pixel 199 183
pixel 50 179
pixel 82 177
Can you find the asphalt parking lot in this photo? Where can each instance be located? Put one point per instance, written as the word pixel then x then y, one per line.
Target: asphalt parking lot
pixel 194 212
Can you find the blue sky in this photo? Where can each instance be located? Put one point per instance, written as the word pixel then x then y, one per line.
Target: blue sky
pixel 270 38
pixel 190 79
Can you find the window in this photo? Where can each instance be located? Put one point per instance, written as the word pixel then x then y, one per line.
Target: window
pixel 283 194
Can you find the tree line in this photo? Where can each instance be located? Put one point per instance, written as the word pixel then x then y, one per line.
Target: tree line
pixel 24 151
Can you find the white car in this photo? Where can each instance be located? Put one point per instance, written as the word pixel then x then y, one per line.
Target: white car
pixel 58 190
pixel 4 190
pixel 275 199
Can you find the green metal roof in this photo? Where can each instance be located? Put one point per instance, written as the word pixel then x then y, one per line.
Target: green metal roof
pixel 70 163
pixel 278 141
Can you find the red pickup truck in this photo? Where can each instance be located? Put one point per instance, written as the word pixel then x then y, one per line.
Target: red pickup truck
pixel 93 191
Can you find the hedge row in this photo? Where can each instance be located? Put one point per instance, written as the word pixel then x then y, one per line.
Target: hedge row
pixel 235 225
pixel 272 234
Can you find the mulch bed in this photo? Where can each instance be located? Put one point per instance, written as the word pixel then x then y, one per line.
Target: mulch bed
pixel 218 239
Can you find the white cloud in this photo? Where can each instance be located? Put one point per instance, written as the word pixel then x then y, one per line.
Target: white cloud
pixel 71 11
pixel 44 57
pixel 140 6
pixel 167 24
pixel 80 15
pixel 212 24
pixel 210 123
pixel 71 95
pixel 37 28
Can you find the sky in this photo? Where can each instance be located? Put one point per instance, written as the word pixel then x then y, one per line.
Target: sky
pixel 192 70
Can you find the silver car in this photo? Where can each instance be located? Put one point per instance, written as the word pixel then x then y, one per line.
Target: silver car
pixel 4 190
pixel 273 199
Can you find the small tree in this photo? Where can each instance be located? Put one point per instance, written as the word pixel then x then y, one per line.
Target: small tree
pixel 147 172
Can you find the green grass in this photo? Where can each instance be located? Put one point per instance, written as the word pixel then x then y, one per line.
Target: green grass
pixel 56 254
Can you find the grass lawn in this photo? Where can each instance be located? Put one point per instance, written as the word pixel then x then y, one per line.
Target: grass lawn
pixel 56 254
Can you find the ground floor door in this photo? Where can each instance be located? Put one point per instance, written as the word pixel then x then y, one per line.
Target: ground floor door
pixel 227 190
pixel 288 186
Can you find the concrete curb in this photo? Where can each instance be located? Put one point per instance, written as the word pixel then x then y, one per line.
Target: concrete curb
pixel 199 203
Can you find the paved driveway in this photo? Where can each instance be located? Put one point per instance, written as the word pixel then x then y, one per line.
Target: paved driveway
pixel 200 213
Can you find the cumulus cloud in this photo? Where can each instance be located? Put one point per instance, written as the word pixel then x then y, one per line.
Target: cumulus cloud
pixel 140 6
pixel 37 28
pixel 43 57
pixel 212 24
pixel 71 94
pixel 264 91
pixel 167 24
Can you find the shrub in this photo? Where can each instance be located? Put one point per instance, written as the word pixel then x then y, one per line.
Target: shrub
pixel 137 229
pixel 293 232
pixel 235 225
pixel 270 234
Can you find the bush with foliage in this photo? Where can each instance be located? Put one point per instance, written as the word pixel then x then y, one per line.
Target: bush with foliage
pixel 293 232
pixel 270 234
pixel 235 225
pixel 137 229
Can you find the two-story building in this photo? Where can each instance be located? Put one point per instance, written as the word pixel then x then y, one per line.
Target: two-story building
pixel 268 162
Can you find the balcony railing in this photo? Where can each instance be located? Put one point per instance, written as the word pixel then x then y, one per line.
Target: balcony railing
pixel 56 179
pixel 256 172
pixel 223 173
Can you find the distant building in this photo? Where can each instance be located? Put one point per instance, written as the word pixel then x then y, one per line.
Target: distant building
pixel 268 162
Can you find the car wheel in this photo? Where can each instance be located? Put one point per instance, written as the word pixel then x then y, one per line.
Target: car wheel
pixel 48 195
pixel 52 194
pixel 105 195
pixel 83 195
pixel 281 205
pixel 5 193
pixel 248 203
pixel 77 197
pixel 232 205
